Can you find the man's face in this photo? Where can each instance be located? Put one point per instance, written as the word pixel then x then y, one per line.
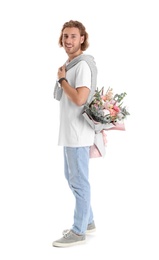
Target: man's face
pixel 72 40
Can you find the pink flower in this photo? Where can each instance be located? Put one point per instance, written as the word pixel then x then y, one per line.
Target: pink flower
pixel 112 101
pixel 95 106
pixel 108 105
pixel 116 108
pixel 113 112
pixel 104 98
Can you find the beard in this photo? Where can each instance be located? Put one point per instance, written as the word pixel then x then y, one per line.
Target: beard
pixel 72 50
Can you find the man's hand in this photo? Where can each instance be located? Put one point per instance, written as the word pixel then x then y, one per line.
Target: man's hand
pixel 61 72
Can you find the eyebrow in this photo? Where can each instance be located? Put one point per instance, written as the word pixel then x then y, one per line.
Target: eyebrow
pixel 73 34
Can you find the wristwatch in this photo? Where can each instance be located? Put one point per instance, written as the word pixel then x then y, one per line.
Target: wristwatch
pixel 61 79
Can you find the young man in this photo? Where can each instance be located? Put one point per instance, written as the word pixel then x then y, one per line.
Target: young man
pixel 77 79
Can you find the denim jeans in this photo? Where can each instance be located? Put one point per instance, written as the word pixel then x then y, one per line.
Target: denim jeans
pixel 76 168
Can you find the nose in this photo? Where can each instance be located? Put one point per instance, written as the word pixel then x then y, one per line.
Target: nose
pixel 68 40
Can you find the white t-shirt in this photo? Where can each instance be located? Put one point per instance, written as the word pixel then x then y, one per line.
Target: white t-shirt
pixel 74 130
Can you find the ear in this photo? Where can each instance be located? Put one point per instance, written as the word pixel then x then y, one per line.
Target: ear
pixel 82 39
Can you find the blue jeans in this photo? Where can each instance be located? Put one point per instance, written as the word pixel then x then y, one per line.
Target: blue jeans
pixel 76 168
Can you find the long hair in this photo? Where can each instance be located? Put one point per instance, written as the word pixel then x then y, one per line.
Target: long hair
pixel 82 30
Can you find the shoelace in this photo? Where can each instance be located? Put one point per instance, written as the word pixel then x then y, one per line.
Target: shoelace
pixel 65 231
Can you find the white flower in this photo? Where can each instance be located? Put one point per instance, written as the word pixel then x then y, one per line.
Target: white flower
pixel 120 116
pixel 106 112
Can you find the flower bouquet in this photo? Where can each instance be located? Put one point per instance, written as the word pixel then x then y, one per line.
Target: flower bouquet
pixel 104 112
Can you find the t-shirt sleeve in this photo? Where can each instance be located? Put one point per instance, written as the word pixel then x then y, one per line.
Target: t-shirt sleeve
pixel 83 75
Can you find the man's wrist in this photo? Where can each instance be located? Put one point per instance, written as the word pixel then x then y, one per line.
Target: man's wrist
pixel 61 79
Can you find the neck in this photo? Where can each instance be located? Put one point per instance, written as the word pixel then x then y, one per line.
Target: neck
pixel 71 57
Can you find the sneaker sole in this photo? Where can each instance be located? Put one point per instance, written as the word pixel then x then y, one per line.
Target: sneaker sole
pixel 56 244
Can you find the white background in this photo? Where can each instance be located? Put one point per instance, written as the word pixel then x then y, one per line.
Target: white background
pixel 35 201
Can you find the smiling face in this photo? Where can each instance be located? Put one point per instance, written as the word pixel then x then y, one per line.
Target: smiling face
pixel 72 40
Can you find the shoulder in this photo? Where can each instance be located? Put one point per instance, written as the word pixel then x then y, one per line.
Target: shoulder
pixel 83 64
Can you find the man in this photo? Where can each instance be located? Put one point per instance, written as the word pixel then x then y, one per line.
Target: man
pixel 77 79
